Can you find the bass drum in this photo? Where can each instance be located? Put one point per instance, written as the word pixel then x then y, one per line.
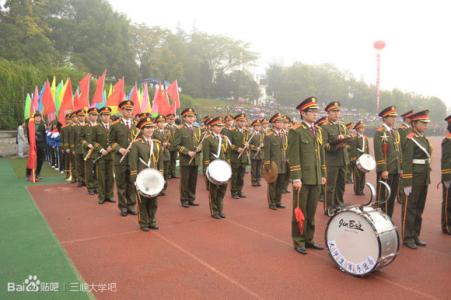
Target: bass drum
pixel 361 240
pixel 218 172
pixel 149 182
pixel 365 163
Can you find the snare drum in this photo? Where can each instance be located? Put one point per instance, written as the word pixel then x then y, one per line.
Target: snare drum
pixel 361 240
pixel 365 163
pixel 218 172
pixel 149 182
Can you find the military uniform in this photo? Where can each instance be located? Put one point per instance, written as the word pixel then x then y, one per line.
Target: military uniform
pixel 121 135
pixel 71 143
pixel 359 146
pixel 350 166
pixel 387 152
pixel 65 146
pixel 145 154
pixel 257 151
pixel 337 160
pixel 104 164
pixel 86 138
pixel 416 177
pixel 172 149
pixel 446 180
pixel 275 148
pixel 188 138
pixel 238 138
pixel 405 128
pixel 216 147
pixel 164 135
pixel 307 164
pixel 79 162
pixel 320 122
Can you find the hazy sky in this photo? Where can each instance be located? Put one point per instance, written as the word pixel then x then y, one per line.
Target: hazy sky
pixel 417 57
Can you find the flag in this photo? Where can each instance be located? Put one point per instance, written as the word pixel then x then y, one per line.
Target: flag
pixel 135 99
pixel 110 90
pixel 145 106
pixel 59 93
pixel 47 100
pixel 53 88
pixel 173 92
pixel 163 102
pixel 35 104
pixel 66 104
pixel 31 164
pixel 27 110
pixel 116 96
pixel 84 91
pixel 41 106
pixel 155 98
pixel 98 94
pixel 77 102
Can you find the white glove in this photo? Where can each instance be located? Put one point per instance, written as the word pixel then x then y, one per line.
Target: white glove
pixel 408 190
pixel 447 184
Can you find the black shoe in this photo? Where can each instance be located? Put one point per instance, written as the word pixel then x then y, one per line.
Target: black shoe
pixel 162 194
pixel 100 202
pixel 222 215
pixel 321 199
pixel 313 246
pixel 124 213
pixel 145 228
pixel 410 245
pixel 259 184
pixel 273 207
pixel 420 243
pixel 301 249
pixel 110 200
pixel 286 192
pixel 280 206
pixel 215 216
pixel 192 203
pixel 132 212
pixel 235 196
pixel 154 226
pixel 79 184
pixel 242 196
pixel 185 204
pixel 91 193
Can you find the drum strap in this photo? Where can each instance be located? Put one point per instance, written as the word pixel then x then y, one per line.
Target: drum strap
pixel 363 144
pixel 421 147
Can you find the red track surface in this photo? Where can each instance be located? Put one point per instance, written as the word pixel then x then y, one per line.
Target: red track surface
pixel 247 255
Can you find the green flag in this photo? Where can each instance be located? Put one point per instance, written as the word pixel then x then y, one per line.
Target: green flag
pixel 59 93
pixel 26 111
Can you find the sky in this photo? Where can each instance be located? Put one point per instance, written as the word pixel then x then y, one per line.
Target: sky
pixel 417 56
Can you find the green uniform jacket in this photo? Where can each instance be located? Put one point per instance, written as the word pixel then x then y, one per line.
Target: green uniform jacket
pixel 163 135
pixel 356 147
pixel 238 139
pixel 387 150
pixel 71 137
pixel 256 143
pixel 65 137
pixel 186 140
pixel 86 138
pixel 228 132
pixel 413 151
pixel 335 156
pixel 210 149
pixel 172 129
pixel 140 158
pixel 306 155
pixel 404 130
pixel 121 137
pixel 275 149
pixel 100 137
pixel 77 138
pixel 446 158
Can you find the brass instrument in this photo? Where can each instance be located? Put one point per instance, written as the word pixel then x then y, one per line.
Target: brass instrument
pixel 89 154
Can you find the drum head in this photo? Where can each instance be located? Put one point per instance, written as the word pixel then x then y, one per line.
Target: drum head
pixel 366 162
pixel 219 170
pixel 149 182
pixel 352 242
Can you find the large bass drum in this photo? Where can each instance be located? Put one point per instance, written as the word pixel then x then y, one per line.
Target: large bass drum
pixel 149 182
pixel 218 172
pixel 361 240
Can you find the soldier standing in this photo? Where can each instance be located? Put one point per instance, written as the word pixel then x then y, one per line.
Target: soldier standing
pixel 335 139
pixel 308 171
pixel 163 134
pixel 146 153
pixel 65 145
pixel 319 123
pixel 188 141
pixel 216 146
pixel 415 179
pixel 71 141
pixel 405 128
pixel 358 147
pixel 239 155
pixel 122 134
pixel 446 179
pixel 387 152
pixel 275 146
pixel 350 166
pixel 170 119
pixel 79 162
pixel 256 146
pixel 89 154
pixel 104 164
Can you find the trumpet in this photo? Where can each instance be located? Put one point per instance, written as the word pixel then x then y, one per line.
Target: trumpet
pixel 89 154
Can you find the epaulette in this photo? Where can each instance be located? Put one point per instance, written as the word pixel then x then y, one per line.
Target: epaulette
pixel 232 129
pixel 449 135
pixel 138 140
pixel 296 126
pixel 410 135
pixel 269 132
pixel 402 126
pixel 157 141
pixel 115 122
pixel 380 129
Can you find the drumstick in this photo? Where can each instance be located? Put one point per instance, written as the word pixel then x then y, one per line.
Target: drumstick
pixel 245 147
pixel 199 146
pixel 129 146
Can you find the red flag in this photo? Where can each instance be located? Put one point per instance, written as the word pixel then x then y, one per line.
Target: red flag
pixel 32 158
pixel 77 103
pixel 118 94
pixel 47 100
pixel 173 92
pixel 163 102
pixel 66 105
pixel 84 90
pixel 135 99
pixel 299 215
pixel 98 94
